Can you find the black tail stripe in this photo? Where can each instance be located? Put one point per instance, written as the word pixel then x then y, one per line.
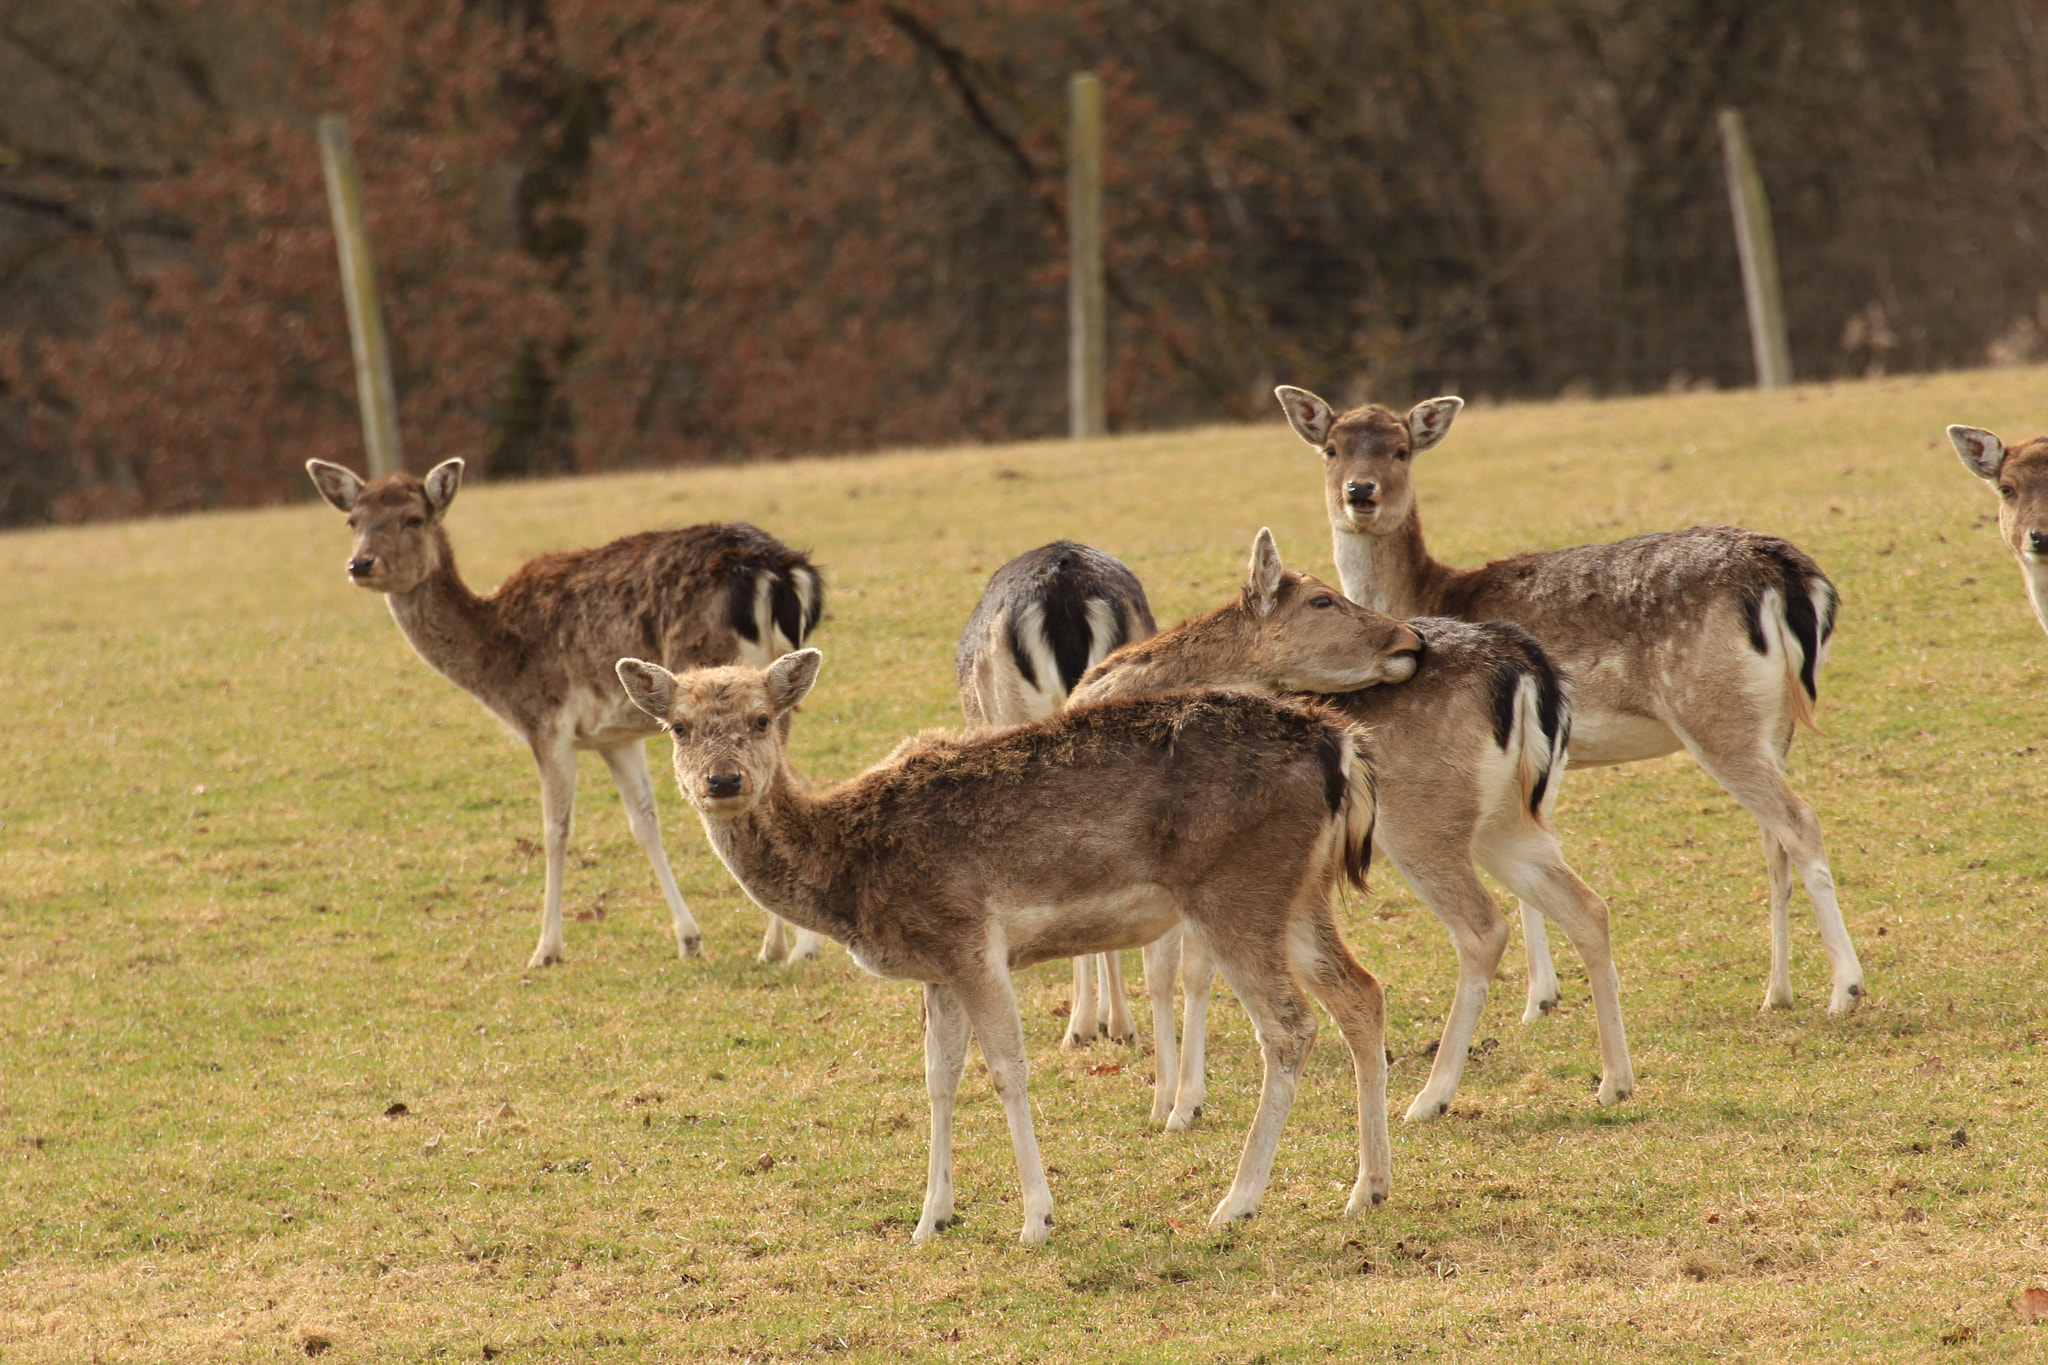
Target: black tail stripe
pixel 786 605
pixel 739 602
pixel 1806 624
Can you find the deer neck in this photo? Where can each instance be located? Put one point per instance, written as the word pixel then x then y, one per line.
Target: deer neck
pixel 778 853
pixel 1209 650
pixel 1392 573
pixel 457 632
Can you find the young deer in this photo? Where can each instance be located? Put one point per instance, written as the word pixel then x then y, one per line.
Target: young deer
pixel 1708 639
pixel 960 859
pixel 2020 478
pixel 538 651
pixel 1047 617
pixel 1466 753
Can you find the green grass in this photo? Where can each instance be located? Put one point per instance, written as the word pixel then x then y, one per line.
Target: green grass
pixel 264 876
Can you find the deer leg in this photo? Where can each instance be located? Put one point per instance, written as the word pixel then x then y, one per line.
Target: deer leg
pixel 1530 864
pixel 991 1004
pixel 1116 1005
pixel 557 764
pixel 1544 995
pixel 628 764
pixel 1081 1013
pixel 1479 933
pixel 785 942
pixel 1162 964
pixel 1778 863
pixel 1353 997
pixel 946 1031
pixel 1286 1026
pixel 1756 777
pixel 1198 976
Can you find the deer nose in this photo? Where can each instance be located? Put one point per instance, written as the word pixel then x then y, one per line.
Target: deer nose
pixel 722 784
pixel 2037 541
pixel 1357 491
pixel 362 566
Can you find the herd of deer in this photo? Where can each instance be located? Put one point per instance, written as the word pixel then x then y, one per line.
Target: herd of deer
pixel 1197 792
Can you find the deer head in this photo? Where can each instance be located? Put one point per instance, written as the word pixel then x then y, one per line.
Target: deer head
pixel 1309 637
pixel 396 520
pixel 729 724
pixel 1366 455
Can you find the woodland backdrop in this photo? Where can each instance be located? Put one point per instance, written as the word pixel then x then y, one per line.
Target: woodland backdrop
pixel 638 232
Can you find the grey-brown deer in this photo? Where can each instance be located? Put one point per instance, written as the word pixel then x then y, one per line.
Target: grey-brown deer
pixel 539 650
pixel 1045 618
pixel 960 859
pixel 1467 755
pixel 1710 639
pixel 2019 476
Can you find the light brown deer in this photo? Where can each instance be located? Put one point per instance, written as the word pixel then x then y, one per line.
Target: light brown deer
pixel 1709 639
pixel 960 859
pixel 1045 618
pixel 1467 755
pixel 539 650
pixel 2019 475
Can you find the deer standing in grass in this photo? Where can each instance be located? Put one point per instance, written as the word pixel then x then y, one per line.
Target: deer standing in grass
pixel 960 859
pixel 1047 617
pixel 1467 754
pixel 1709 639
pixel 2019 476
pixel 539 651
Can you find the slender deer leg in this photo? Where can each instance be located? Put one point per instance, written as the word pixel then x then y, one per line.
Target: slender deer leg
pixel 1754 774
pixel 946 1031
pixel 1081 1014
pixel 628 764
pixel 1191 1091
pixel 785 942
pixel 1353 997
pixel 1529 863
pixel 1116 1005
pixel 1162 959
pixel 557 814
pixel 1778 863
pixel 1286 1027
pixel 991 1003
pixel 1544 994
pixel 1451 888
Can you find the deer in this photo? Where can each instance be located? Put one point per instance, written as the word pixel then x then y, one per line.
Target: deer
pixel 1467 753
pixel 1708 639
pixel 2019 476
pixel 1045 618
pixel 538 650
pixel 960 859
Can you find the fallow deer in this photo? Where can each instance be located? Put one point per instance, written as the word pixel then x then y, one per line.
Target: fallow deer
pixel 539 650
pixel 2019 476
pixel 1467 755
pixel 960 859
pixel 1709 639
pixel 1047 617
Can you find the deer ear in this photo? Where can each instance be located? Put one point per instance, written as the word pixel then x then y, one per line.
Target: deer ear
pixel 1981 452
pixel 648 686
pixel 1262 581
pixel 336 484
pixel 791 677
pixel 442 481
pixel 1309 415
pixel 1430 421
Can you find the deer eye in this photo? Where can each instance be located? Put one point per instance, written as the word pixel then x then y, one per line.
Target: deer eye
pixel 1329 452
pixel 2007 491
pixel 760 725
pixel 414 523
pixel 1323 601
pixel 681 729
pixel 1402 453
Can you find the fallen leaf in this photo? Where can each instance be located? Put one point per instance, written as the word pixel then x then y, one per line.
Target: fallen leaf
pixel 431 1145
pixel 1105 1068
pixel 397 1110
pixel 2033 1305
pixel 1933 1066
pixel 504 1112
pixel 1180 1227
pixel 767 1161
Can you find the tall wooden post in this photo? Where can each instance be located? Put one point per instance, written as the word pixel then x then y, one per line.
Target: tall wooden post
pixel 1087 347
pixel 1758 248
pixel 375 394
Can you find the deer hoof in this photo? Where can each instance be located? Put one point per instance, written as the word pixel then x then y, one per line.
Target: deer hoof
pixel 693 946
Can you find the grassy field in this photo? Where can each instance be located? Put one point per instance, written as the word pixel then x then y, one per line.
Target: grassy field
pixel 276 1084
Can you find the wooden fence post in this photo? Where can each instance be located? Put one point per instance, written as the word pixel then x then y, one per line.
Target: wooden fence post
pixel 375 393
pixel 1758 248
pixel 1087 347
